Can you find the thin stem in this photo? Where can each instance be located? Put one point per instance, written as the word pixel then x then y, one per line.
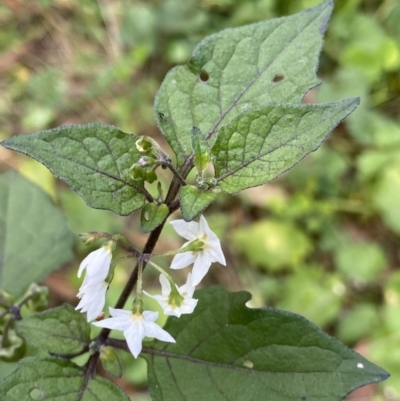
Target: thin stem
pixel 175 172
pixel 161 270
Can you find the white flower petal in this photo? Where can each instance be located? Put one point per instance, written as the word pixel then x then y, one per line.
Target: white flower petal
pixel 187 230
pixel 134 336
pixel 151 329
pixel 97 263
pixel 150 316
pixel 92 300
pixel 165 285
pixel 189 305
pixel 112 324
pixel 201 267
pixel 182 260
pixel 119 312
pixel 216 254
pixel 204 229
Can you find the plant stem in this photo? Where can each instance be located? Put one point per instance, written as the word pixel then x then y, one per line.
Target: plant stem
pixel 175 172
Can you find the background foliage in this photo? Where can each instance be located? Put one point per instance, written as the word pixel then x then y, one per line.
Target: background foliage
pixel 322 241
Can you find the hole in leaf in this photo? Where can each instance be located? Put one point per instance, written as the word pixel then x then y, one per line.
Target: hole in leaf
pixel 36 394
pixel 146 216
pixel 278 78
pixel 204 76
pixel 248 364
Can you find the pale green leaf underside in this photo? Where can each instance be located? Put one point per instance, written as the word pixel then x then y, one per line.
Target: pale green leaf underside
pixel 240 68
pixel 50 379
pixel 194 201
pixel 289 357
pixel 93 159
pixel 263 143
pixel 61 330
pixel 34 238
pixel 152 216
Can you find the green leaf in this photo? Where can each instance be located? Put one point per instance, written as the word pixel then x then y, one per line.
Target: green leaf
pixel 34 238
pixel 94 159
pixel 152 216
pixel 111 361
pixel 194 201
pixel 60 330
pixel 43 378
pixel 263 143
pixel 226 351
pixel 201 149
pixel 240 68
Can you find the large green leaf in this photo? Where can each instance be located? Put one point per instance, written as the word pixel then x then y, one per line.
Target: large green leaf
pixel 93 159
pixel 50 379
pixel 226 351
pixel 264 142
pixel 34 238
pixel 61 330
pixel 240 68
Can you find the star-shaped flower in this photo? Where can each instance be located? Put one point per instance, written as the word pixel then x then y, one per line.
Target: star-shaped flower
pixel 94 287
pixel 202 259
pixel 176 303
pixel 135 326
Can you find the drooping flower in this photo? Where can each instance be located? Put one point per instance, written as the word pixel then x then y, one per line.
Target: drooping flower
pixel 176 303
pixel 135 327
pixel 211 249
pixel 94 287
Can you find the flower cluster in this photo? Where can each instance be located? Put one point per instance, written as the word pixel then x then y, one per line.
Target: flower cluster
pixel 201 249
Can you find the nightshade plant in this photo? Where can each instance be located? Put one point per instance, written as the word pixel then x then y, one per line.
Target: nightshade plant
pixel 234 114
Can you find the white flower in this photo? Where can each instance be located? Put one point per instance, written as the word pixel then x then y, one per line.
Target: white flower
pixel 135 326
pixel 176 304
pixel 93 289
pixel 97 264
pixel 202 260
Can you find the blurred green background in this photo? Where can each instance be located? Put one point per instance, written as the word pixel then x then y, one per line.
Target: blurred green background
pixel 322 241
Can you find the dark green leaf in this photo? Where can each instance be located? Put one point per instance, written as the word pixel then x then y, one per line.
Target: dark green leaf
pixel 152 216
pixel 194 201
pixel 226 351
pixel 263 143
pixel 61 330
pixel 240 68
pixel 93 159
pixel 50 379
pixel 34 238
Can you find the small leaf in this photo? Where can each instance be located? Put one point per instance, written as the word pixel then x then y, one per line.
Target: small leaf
pixel 194 201
pixel 226 351
pixel 94 159
pixel 34 238
pixel 237 69
pixel 60 330
pixel 152 216
pixel 201 149
pixel 263 143
pixel 111 361
pixel 48 379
